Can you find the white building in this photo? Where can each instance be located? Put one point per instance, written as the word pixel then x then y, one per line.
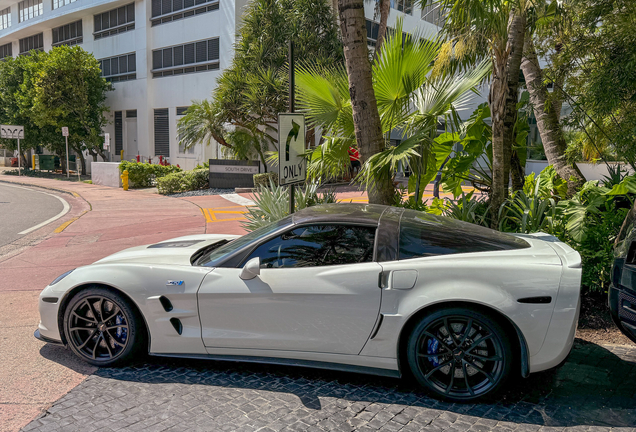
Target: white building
pixel 159 54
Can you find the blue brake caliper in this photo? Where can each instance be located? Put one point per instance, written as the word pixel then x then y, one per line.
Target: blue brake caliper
pixel 433 348
pixel 122 333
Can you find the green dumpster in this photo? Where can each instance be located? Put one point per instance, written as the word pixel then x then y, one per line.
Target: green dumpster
pixel 45 162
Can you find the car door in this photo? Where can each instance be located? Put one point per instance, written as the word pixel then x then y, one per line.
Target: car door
pixel 317 291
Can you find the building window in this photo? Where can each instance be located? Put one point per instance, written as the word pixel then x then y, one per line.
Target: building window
pixel 405 6
pixel 119 132
pixel 60 3
pixel 131 113
pixel 120 68
pixel 28 9
pixel 432 13
pixel 198 56
pixel 5 18
pixel 372 33
pixel 115 21
pixel 35 42
pixel 162 133
pixel 164 11
pixel 5 51
pixel 69 34
pixel 181 111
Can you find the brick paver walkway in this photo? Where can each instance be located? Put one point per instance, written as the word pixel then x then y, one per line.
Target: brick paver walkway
pixel 594 391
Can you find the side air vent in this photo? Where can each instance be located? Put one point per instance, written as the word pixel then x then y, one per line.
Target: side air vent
pixel 165 302
pixel 536 300
pixel 176 323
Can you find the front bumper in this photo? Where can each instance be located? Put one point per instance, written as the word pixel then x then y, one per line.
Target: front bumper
pixel 622 304
pixel 45 339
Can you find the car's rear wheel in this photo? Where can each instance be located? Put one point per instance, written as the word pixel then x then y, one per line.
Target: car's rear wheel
pixel 101 327
pixel 459 354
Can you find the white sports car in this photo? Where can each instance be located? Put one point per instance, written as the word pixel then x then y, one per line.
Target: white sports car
pixel 363 288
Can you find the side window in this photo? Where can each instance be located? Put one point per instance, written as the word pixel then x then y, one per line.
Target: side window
pixel 317 245
pixel 424 235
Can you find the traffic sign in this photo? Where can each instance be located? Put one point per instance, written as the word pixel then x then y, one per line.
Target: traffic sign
pixel 291 147
pixel 11 132
pixel 64 131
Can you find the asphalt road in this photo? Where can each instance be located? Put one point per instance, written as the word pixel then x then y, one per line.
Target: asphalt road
pixel 23 208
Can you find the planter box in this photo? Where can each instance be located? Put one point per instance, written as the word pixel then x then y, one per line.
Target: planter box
pixel 106 174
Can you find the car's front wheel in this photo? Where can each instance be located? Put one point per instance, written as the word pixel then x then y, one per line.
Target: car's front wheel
pixel 101 327
pixel 459 354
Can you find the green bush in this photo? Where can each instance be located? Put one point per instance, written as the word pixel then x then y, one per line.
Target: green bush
pixel 141 175
pixel 264 179
pixel 272 203
pixel 183 181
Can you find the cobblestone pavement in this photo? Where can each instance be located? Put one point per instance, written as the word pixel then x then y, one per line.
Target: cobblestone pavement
pixel 594 391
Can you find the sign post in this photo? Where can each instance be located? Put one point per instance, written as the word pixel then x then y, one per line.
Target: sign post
pixel 291 140
pixel 65 135
pixel 13 132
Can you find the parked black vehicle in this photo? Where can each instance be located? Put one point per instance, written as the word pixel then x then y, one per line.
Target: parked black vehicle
pixel 622 292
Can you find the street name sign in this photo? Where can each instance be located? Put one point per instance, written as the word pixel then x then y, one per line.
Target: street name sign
pixel 292 166
pixel 11 132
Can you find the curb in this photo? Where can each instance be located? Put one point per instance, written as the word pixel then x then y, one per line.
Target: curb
pixel 75 194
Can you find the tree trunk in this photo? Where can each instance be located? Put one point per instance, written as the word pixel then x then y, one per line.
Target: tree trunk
pixel 366 119
pixel 547 122
pixel 80 155
pixel 385 9
pixel 497 101
pixel 514 48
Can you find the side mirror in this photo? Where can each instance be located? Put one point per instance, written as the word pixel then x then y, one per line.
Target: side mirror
pixel 251 269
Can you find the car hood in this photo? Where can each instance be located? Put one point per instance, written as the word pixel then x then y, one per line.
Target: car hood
pixel 176 251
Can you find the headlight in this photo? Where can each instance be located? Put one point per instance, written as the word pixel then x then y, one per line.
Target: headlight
pixel 60 277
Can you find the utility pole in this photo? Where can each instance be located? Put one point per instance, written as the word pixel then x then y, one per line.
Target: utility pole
pixel 292 94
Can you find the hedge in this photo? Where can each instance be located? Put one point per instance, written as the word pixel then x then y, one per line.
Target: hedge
pixel 183 181
pixel 264 179
pixel 141 175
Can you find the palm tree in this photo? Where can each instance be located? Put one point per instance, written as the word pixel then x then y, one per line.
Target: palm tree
pixel 493 30
pixel 366 120
pixel 407 100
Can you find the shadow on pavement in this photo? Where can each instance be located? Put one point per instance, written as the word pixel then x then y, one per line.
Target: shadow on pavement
pixel 595 387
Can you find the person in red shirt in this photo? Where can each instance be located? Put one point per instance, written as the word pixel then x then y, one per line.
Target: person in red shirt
pixel 354 158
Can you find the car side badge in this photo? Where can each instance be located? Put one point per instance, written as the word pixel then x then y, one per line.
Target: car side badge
pixel 174 283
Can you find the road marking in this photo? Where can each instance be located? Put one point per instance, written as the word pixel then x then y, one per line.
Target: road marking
pixel 65 209
pixel 207 216
pixel 64 225
pixel 236 198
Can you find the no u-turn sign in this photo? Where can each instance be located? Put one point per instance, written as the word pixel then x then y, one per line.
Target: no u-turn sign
pixel 291 147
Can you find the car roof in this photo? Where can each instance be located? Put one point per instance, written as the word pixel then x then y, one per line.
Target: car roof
pixel 341 212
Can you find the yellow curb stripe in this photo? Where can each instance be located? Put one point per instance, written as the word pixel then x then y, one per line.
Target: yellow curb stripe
pixel 226 211
pixel 227 220
pixel 65 225
pixel 207 217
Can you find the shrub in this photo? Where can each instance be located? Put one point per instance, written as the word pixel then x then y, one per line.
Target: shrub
pixel 265 179
pixel 183 181
pixel 272 203
pixel 141 175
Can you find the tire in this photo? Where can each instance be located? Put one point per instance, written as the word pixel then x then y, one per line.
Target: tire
pixel 102 328
pixel 471 361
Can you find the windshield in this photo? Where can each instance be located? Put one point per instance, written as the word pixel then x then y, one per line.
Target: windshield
pixel 216 256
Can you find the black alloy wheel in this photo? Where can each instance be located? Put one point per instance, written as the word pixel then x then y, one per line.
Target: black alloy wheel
pixel 459 354
pixel 101 327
